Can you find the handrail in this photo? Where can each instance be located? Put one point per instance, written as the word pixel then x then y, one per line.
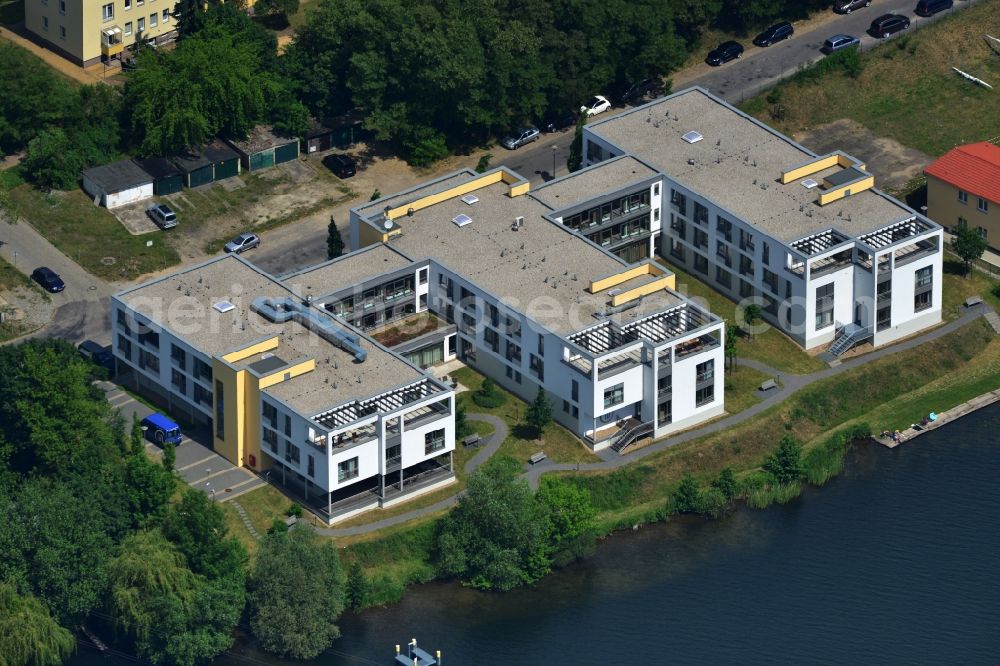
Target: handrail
pixel 629 435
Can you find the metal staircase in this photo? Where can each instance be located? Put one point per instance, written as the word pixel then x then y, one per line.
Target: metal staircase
pixel 628 435
pixel 849 336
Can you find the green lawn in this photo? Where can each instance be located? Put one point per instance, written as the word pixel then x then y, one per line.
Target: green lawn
pixel 959 286
pixel 557 442
pixel 771 347
pixel 262 505
pixel 89 234
pixel 741 388
pixel 907 89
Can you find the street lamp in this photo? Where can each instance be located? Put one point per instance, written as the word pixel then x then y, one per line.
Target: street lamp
pixel 554 148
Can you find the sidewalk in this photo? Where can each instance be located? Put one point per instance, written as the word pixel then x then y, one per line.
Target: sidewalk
pixel 53 60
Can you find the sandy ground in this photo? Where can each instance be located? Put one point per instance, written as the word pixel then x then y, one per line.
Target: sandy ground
pixel 893 163
pixel 25 311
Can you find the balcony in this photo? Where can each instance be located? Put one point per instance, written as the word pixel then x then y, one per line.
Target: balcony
pixel 697 346
pixel 911 253
pixel 424 415
pixel 830 264
pixel 111 41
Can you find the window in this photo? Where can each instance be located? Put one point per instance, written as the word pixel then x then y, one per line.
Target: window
pixel 128 5
pixel 202 370
pixel 201 396
pixel 724 228
pixel 513 352
pixel 575 412
pixel 347 470
pixel 746 241
pixel 614 395
pixel 963 197
pixel 220 411
pixel 982 231
pixel 150 339
pixel 62 32
pixel 177 355
pixel 62 10
pixel 746 289
pixel 700 263
pixel 722 251
pixel 824 306
pixel 421 274
pixel 492 339
pixel 984 205
pixel 679 201
pixel 923 291
pixel 166 16
pixel 140 24
pixel 566 406
pixel 704 395
pixel 962 223
pixel 575 391
pixel 537 366
pixel 765 253
pixel 541 345
pixel 494 315
pixel 656 190
pixel 746 265
pixel 883 318
pixel 677 250
pixel 700 214
pixel 178 380
pixel 152 20
pixel 677 225
pixel 291 453
pixel 393 455
pixel 108 12
pixel 45 22
pixel 433 441
pixel 700 239
pixel 128 27
pixel 311 466
pixel 723 277
pixel 271 439
pixel 148 361
pixel 288 425
pixel 705 371
pixel 124 347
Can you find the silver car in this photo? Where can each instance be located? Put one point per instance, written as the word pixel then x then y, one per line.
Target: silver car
pixel 243 242
pixel 162 215
pixel 521 137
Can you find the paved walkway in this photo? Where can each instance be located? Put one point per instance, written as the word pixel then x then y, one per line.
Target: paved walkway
pixel 56 62
pixel 789 384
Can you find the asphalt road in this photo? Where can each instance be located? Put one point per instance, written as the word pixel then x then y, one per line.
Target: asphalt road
pixel 735 81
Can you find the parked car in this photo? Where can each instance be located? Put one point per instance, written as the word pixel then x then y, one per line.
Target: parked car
pixel 639 90
pixel 888 24
pixel 848 6
pixel 99 354
pixel 48 278
pixel 558 121
pixel 597 104
pixel 342 166
pixel 724 52
pixel 159 429
pixel 839 42
pixel 243 242
pixel 163 215
pixel 774 34
pixel 521 137
pixel 932 7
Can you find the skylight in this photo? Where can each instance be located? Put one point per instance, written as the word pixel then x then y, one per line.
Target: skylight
pixel 809 183
pixel 461 220
pixel 223 307
pixel 470 199
pixel 693 137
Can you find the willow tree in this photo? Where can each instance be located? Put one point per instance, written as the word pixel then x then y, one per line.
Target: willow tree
pixel 28 633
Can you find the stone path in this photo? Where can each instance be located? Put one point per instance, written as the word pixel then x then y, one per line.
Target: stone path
pixel 241 512
pixel 789 384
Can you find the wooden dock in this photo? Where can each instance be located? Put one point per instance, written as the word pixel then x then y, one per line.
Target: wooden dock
pixel 948 416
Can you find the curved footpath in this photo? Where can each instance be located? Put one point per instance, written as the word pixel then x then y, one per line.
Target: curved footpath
pixel 789 384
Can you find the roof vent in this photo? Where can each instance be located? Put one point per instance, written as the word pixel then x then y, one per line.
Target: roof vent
pixel 690 161
pixel 809 183
pixel 223 307
pixel 693 137
pixel 470 199
pixel 461 220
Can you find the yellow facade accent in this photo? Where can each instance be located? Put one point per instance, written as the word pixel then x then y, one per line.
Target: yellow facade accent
pixel 665 282
pixel 233 384
pixel 291 371
pixel 818 165
pixel 256 348
pixel 516 189
pixel 629 274
pixel 829 196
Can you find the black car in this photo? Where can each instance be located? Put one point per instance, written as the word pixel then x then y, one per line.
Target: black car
pixel 888 24
pixel 848 6
pixel 343 166
pixel 557 122
pixel 99 354
pixel 774 34
pixel 932 7
pixel 639 90
pixel 48 279
pixel 724 52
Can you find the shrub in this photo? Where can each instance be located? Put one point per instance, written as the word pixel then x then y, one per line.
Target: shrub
pixel 713 504
pixel 294 510
pixel 488 395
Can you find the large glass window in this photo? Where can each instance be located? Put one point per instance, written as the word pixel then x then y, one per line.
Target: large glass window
pixel 220 411
pixel 291 453
pixel 923 292
pixel 824 306
pixel 433 441
pixel 704 395
pixel 705 371
pixel 614 396
pixel 347 470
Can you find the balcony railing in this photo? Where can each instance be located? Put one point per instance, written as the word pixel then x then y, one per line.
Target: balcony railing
pixel 696 346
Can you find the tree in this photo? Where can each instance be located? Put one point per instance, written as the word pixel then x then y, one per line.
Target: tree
pixel 539 412
pixel 497 536
pixel 726 484
pixel 169 456
pixel 197 526
pixel 334 243
pixel 147 489
pixel 751 315
pixel 138 446
pixel 488 395
pixel 34 97
pixel 52 160
pixel 29 636
pixel 462 427
pixel 575 160
pixel 686 498
pixel 571 517
pixel 376 195
pixel 731 345
pixel 785 463
pixel 969 245
pixel 280 7
pixel 483 165
pixel 358 587
pixel 294 614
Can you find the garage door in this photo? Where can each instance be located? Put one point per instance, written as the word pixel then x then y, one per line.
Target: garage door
pixel 200 176
pixel 286 153
pixel 262 160
pixel 227 169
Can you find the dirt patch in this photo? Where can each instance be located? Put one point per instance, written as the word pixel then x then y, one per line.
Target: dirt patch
pixel 22 310
pixel 135 219
pixel 893 164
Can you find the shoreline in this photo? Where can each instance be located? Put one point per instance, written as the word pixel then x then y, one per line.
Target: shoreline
pixel 945 417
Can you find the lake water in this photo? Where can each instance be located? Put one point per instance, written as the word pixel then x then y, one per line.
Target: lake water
pixel 895 561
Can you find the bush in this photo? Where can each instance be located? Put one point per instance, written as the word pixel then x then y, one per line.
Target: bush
pixel 713 504
pixel 425 148
pixel 488 396
pixel 826 460
pixel 294 510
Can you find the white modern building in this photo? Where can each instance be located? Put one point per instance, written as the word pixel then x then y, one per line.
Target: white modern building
pixel 536 305
pixel 285 387
pixel 829 258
